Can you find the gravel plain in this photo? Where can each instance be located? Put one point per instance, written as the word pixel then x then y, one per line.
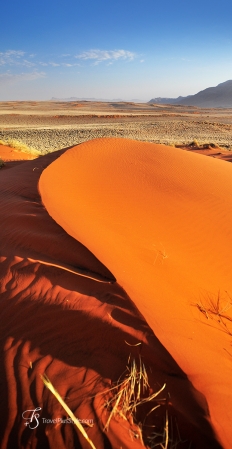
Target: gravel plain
pixel 49 126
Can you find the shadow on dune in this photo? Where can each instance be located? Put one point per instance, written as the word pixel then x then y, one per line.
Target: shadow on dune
pixel 77 330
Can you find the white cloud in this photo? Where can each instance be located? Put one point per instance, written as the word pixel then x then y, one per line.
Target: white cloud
pixel 11 57
pixel 17 58
pixel 10 78
pixel 55 64
pixel 9 53
pixel 27 63
pixel 69 65
pixel 20 58
pixel 106 55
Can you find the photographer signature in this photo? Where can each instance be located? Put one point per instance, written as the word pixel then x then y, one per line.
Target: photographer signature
pixel 31 417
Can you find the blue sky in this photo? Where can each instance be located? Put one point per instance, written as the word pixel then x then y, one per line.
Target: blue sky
pixel 127 49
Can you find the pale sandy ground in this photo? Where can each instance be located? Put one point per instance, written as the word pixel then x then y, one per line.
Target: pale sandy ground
pixel 55 125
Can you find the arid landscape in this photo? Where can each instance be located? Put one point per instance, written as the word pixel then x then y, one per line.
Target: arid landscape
pixel 55 125
pixel 115 225
pixel 115 276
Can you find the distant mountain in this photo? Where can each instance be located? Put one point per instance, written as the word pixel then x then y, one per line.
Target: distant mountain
pixel 161 100
pixel 137 100
pixel 212 97
pixel 115 100
pixel 83 99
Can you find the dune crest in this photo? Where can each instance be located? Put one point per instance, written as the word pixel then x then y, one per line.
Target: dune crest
pixel 159 219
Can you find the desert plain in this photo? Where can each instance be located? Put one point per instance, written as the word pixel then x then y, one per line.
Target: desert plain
pixel 55 125
pixel 115 276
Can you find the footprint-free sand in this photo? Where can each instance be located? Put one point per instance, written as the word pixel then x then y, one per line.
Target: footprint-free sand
pixel 110 249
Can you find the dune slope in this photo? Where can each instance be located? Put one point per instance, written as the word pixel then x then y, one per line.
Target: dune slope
pixel 159 218
pixel 63 314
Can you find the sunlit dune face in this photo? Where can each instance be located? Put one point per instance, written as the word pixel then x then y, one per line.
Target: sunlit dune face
pixel 159 218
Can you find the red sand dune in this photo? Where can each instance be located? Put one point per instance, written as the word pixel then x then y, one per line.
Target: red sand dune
pixel 158 219
pixel 11 154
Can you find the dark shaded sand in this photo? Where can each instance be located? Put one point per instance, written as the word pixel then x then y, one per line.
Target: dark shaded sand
pixel 151 214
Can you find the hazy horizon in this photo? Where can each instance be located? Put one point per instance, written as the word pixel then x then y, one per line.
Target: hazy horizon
pixel 127 50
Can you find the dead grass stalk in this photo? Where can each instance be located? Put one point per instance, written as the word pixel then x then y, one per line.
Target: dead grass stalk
pixel 49 385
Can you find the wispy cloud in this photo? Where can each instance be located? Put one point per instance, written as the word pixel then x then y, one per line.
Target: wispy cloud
pixel 27 63
pixel 16 58
pixel 56 64
pixel 106 55
pixel 11 78
pixel 9 53
pixel 11 57
pixel 20 58
pixel 69 65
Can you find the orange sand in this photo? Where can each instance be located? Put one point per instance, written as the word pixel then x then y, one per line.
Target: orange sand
pixel 160 220
pixel 11 154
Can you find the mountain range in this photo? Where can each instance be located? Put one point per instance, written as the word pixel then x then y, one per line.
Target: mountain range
pixel 212 97
pixel 116 100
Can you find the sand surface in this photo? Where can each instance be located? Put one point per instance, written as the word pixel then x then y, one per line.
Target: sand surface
pixel 160 220
pixel 126 254
pixel 11 154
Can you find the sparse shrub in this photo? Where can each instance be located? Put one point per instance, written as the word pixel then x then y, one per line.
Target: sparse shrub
pixel 195 143
pixel 215 308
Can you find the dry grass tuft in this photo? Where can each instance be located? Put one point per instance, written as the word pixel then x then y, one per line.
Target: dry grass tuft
pixel 166 439
pixel 133 390
pixel 195 143
pixel 1 163
pixel 130 393
pixel 215 309
pixel 121 402
pixel 19 146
